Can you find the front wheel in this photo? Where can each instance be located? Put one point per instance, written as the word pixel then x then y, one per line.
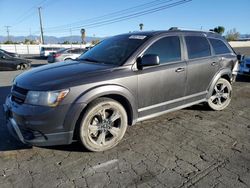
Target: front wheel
pixel 221 95
pixel 103 125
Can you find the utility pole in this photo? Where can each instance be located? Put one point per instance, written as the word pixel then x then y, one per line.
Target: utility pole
pixel 41 25
pixel 8 31
pixel 70 37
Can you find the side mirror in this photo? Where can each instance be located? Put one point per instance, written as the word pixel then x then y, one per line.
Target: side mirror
pixel 147 61
pixel 240 57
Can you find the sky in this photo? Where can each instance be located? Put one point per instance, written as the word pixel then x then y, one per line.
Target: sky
pixel 22 16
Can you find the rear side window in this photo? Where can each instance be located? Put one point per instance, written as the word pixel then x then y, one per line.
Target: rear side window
pixel 70 51
pixel 219 46
pixel 197 47
pixel 81 50
pixel 168 49
pixel 55 49
pixel 76 51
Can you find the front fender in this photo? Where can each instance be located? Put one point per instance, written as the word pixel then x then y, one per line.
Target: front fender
pixel 91 94
pixel 221 73
pixel 113 89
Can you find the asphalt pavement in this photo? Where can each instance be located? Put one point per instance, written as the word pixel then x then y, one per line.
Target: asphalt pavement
pixel 193 147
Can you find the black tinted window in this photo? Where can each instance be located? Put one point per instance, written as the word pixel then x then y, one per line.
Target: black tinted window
pixel 197 47
pixel 81 50
pixel 219 46
pixel 168 49
pixel 77 51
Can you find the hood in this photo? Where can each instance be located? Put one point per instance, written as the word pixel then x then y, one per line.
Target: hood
pixel 59 75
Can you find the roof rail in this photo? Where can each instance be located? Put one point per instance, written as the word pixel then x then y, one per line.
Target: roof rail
pixel 189 29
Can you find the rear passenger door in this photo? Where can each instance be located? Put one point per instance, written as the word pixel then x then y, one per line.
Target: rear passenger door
pixel 161 87
pixel 201 66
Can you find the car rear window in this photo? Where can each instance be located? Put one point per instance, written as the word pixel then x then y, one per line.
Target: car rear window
pixel 168 49
pixel 219 47
pixel 197 47
pixel 50 48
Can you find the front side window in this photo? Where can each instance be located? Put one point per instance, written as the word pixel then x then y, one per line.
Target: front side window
pixel 168 49
pixel 197 47
pixel 219 47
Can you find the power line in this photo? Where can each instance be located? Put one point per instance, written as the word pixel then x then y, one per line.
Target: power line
pixel 114 14
pixel 147 8
pixel 127 17
pixel 136 14
pixel 28 14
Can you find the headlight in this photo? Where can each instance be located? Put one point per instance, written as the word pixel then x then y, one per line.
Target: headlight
pixel 48 98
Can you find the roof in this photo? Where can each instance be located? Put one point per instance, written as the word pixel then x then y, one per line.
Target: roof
pixel 154 33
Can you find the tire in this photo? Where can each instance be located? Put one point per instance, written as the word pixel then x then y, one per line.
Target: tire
pixel 25 66
pixel 18 67
pixel 103 125
pixel 22 66
pixel 221 95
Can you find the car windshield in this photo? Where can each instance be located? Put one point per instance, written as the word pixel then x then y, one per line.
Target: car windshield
pixel 115 50
pixel 2 53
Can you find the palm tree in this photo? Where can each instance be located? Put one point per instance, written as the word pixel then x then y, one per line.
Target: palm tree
pixel 141 26
pixel 219 29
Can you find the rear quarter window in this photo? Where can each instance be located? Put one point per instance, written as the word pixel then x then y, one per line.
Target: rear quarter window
pixel 197 47
pixel 219 47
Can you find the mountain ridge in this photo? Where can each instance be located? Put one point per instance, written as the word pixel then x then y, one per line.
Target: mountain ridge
pixel 50 39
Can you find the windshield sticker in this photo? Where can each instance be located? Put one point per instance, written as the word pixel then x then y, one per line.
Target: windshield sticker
pixel 140 37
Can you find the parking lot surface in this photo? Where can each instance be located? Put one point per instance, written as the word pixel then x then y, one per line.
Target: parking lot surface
pixel 194 147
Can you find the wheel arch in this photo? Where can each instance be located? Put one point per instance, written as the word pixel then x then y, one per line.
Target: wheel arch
pixel 225 73
pixel 115 92
pixel 67 58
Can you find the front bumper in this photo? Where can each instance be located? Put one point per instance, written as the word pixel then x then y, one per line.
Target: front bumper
pixel 37 126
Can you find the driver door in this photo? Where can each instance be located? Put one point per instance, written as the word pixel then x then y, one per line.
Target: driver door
pixel 162 87
pixel 4 61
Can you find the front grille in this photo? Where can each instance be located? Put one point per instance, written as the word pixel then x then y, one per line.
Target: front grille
pixel 18 94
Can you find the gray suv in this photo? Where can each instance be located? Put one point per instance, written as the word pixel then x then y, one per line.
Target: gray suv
pixel 123 80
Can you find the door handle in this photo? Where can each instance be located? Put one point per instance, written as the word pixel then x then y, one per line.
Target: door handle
pixel 214 63
pixel 180 69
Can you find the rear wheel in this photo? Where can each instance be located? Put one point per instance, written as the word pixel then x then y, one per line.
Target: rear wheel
pixel 221 95
pixel 103 125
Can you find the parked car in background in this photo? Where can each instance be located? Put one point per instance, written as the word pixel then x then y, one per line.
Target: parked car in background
pixel 45 51
pixel 8 62
pixel 244 68
pixel 65 54
pixel 10 53
pixel 123 80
